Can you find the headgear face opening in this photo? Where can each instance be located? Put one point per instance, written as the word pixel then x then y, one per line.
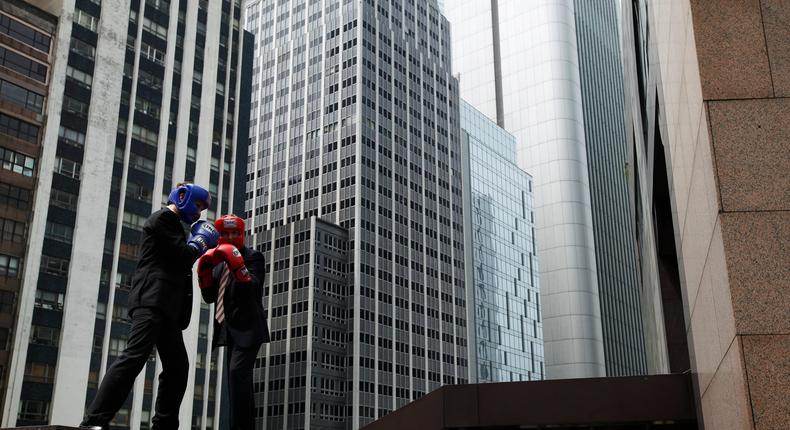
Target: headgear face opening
pixel 228 223
pixel 185 197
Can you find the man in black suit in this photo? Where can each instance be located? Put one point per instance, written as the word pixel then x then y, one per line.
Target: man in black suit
pixel 231 275
pixel 160 306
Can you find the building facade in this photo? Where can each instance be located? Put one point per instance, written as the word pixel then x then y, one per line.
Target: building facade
pixel 142 95
pixel 508 329
pixel 355 124
pixel 309 301
pixel 26 47
pixel 547 72
pixel 707 88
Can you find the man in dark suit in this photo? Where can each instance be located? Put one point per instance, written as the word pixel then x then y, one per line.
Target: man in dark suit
pixel 231 275
pixel 160 306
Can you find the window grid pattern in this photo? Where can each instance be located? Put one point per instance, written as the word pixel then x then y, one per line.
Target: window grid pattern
pixel 509 331
pixel 355 121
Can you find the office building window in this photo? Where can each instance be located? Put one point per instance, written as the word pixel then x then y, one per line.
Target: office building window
pixel 71 137
pixel 81 78
pixel 39 372
pixel 54 266
pixel 149 80
pixel 93 379
pixel 4 338
pixel 149 52
pixel 20 96
pixel 75 106
pixel 58 232
pixel 66 167
pixel 33 410
pixel 14 196
pixel 133 221
pixel 42 335
pixel 63 199
pixel 117 345
pixel 7 302
pixel 18 129
pixel 12 231
pixel 84 19
pixel 9 266
pixel 16 162
pixel 23 65
pixel 101 310
pixel 143 134
pixel 160 5
pixel 49 300
pixel 24 33
pixel 155 28
pixel 120 313
pixel 83 48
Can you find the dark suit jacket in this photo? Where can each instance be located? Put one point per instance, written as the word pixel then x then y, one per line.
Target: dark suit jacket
pixel 245 320
pixel 163 277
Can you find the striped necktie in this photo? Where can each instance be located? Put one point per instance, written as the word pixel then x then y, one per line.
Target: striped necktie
pixel 219 313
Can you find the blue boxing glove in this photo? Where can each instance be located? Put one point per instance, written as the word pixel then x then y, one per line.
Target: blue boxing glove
pixel 204 236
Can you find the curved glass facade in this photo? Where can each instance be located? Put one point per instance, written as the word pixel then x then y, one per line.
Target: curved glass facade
pixel 548 72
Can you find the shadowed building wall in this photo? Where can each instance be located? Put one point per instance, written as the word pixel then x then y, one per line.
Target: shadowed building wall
pixel 708 87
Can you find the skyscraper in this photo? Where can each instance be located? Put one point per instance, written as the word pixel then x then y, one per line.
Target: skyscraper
pixel 26 35
pixel 548 72
pixel 508 342
pixel 355 130
pixel 142 95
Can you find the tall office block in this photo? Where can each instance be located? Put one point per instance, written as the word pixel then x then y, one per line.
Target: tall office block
pixel 547 72
pixel 355 123
pixel 309 280
pixel 509 332
pixel 142 95
pixel 26 42
pixel 610 170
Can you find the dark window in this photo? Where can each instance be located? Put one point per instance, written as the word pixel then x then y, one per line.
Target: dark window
pixel 34 410
pixel 18 128
pixel 23 65
pixel 7 303
pixel 23 97
pixel 12 231
pixel 14 196
pixel 24 33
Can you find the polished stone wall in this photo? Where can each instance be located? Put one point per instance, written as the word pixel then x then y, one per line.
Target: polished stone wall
pixel 723 83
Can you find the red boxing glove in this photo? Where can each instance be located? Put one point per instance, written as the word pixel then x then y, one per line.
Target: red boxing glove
pixel 234 260
pixel 205 268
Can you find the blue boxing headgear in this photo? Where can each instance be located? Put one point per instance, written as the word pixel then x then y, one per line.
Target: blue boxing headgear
pixel 187 203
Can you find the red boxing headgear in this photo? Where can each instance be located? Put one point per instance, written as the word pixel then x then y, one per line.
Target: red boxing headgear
pixel 227 223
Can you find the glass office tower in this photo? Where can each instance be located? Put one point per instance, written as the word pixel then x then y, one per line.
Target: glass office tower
pixel 355 124
pixel 509 331
pixel 142 95
pixel 610 170
pixel 549 73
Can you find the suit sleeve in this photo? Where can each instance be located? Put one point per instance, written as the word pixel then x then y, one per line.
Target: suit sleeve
pixel 171 238
pixel 256 265
pixel 210 294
